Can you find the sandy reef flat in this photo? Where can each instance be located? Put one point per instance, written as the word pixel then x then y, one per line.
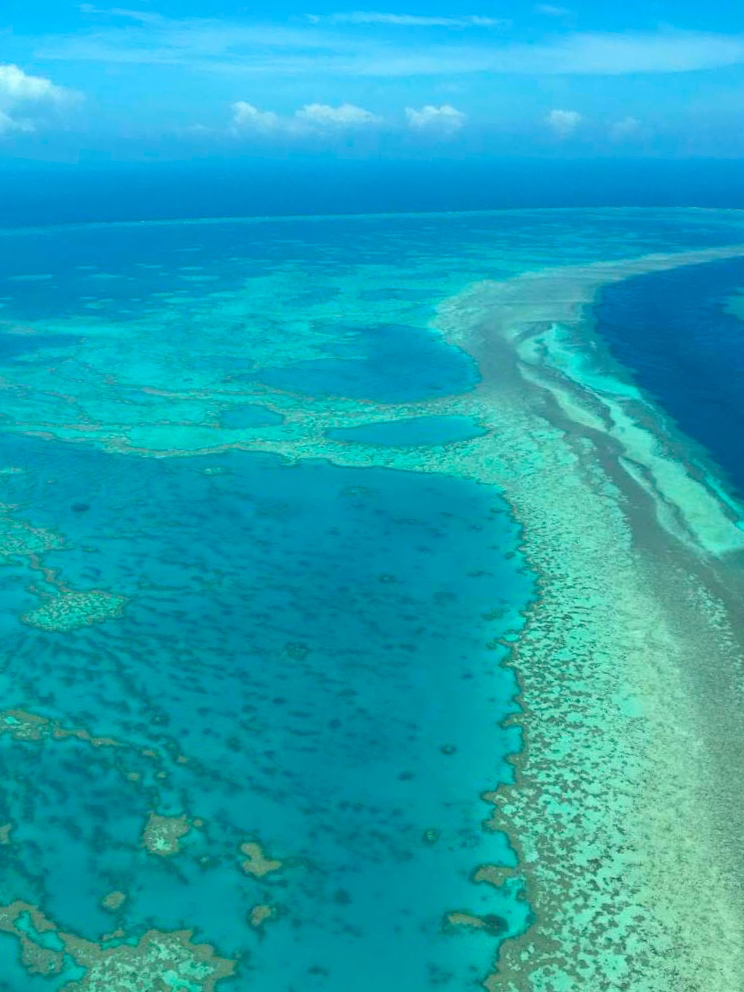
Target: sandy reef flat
pixel 622 809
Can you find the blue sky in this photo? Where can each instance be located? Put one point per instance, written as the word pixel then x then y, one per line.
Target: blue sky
pixel 164 78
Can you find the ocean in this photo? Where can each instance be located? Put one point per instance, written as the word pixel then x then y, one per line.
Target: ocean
pixel 42 193
pixel 679 335
pixel 348 562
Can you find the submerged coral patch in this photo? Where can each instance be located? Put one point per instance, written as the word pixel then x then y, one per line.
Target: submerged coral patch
pixel 261 914
pixel 113 901
pixel 168 961
pixel 162 834
pixel 20 538
pixel 257 862
pixel 73 610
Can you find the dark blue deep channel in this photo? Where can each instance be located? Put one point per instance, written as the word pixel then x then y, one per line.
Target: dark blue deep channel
pixel 673 331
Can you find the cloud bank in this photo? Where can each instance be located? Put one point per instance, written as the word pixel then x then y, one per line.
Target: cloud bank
pixel 311 119
pixel 409 20
pixel 564 123
pixel 441 120
pixel 320 119
pixel 27 101
pixel 330 45
pixel 628 127
pixel 552 11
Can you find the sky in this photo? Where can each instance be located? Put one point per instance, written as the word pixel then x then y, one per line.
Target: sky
pixel 183 79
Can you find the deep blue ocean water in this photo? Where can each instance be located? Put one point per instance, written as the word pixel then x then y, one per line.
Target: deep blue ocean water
pixel 57 193
pixel 673 332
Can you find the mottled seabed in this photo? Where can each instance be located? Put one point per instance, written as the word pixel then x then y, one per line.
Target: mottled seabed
pixel 365 622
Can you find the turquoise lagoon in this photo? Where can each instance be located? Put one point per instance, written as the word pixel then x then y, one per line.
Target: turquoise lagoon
pixel 265 556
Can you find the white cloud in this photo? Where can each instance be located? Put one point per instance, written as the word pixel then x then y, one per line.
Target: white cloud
pixel 322 49
pixel 250 118
pixel 410 20
pixel 26 100
pixel 550 11
pixel 315 119
pixel 347 115
pixel 625 128
pixel 444 120
pixel 619 54
pixel 143 16
pixel 312 118
pixel 564 122
pixel 16 86
pixel 9 124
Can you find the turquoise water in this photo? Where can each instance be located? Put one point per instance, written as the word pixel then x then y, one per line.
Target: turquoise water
pixel 250 415
pixel 417 431
pixel 308 656
pixel 313 640
pixel 261 649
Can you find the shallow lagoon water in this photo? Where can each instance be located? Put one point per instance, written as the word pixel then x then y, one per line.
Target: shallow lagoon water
pixel 305 638
pixel 387 364
pixel 309 657
pixel 416 431
pixel 259 606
